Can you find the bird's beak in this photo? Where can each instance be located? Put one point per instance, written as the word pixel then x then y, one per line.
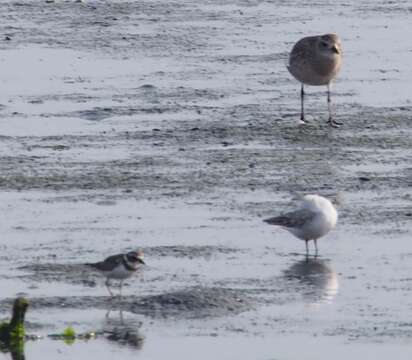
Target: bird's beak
pixel 140 260
pixel 335 49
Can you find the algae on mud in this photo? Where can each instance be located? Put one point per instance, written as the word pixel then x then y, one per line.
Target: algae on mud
pixel 12 333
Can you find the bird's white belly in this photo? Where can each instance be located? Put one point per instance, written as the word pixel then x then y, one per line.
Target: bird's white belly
pixel 312 230
pixel 119 272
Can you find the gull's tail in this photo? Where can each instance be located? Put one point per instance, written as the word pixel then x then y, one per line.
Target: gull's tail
pixel 273 220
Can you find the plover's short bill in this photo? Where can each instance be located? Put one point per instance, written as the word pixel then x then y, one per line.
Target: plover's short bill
pixel 119 267
pixel 314 219
pixel 316 60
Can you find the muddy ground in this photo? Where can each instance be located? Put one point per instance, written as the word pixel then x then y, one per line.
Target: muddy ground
pixel 172 127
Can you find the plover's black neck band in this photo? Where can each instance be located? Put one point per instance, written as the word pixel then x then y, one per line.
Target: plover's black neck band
pixel 127 265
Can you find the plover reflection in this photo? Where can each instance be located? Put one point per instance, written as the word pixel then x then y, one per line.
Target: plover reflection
pixel 125 331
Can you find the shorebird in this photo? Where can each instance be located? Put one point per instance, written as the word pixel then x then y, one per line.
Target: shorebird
pixel 316 60
pixel 314 219
pixel 119 267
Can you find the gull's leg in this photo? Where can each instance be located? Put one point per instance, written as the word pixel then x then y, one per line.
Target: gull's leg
pixel 121 316
pixel 331 121
pixel 107 283
pixel 307 247
pixel 316 247
pixel 302 107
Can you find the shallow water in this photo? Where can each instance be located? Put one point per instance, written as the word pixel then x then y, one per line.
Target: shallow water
pixel 171 126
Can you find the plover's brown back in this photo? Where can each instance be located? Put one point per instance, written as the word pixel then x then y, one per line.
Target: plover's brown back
pixel 316 60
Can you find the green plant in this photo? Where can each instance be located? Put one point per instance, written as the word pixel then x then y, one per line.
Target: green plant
pixel 69 335
pixel 13 333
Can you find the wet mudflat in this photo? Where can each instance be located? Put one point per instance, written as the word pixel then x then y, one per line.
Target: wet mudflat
pixel 171 127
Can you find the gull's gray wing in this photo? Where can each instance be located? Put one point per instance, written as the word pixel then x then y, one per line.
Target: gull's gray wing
pixel 293 219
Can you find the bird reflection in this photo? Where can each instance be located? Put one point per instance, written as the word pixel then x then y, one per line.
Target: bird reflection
pixel 315 279
pixel 123 331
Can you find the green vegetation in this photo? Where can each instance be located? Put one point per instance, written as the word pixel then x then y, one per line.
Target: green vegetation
pixel 69 332
pixel 69 335
pixel 13 332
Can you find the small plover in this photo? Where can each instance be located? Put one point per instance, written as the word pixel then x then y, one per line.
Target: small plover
pixel 314 219
pixel 119 267
pixel 316 60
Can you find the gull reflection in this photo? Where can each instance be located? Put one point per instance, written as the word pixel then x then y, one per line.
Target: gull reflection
pixel 314 279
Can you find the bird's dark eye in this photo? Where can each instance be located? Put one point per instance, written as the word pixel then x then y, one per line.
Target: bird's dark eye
pixel 323 44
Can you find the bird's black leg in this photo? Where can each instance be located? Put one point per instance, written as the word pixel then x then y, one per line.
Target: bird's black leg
pixel 331 121
pixel 302 107
pixel 108 313
pixel 121 316
pixel 307 247
pixel 316 247
pixel 120 291
pixel 107 283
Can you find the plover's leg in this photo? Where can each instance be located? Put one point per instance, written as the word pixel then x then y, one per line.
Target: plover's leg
pixel 108 312
pixel 307 247
pixel 316 247
pixel 107 283
pixel 331 121
pixel 120 291
pixel 302 107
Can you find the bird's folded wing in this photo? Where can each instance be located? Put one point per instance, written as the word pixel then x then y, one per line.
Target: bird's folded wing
pixel 108 264
pixel 299 52
pixel 292 219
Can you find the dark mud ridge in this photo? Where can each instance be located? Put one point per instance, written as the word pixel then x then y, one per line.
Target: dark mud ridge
pixel 190 252
pixel 194 302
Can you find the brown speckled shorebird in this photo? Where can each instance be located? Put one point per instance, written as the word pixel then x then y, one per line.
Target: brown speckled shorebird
pixel 316 60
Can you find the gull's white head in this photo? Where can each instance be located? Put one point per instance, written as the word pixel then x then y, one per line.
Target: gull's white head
pixel 321 204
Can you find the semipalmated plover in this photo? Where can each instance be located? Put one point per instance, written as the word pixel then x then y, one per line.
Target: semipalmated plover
pixel 316 60
pixel 119 267
pixel 314 219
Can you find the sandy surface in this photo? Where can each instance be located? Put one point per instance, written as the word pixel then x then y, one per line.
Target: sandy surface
pixel 172 127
